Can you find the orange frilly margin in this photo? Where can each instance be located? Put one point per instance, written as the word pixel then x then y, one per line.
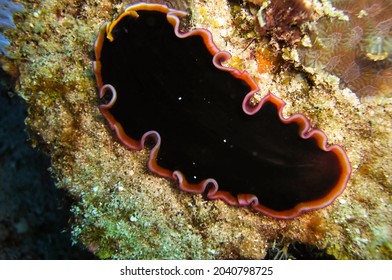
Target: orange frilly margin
pixel 210 186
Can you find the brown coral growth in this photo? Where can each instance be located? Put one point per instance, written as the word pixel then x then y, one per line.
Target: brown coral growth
pixel 282 19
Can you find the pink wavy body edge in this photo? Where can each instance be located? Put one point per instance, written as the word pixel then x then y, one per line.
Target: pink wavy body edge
pixel 173 17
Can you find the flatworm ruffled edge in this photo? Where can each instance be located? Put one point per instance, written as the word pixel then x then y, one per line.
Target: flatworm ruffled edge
pixel 173 17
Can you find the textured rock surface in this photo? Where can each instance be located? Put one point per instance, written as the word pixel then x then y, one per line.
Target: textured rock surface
pixel 121 210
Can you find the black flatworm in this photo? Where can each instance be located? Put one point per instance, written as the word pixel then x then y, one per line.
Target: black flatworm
pixel 169 88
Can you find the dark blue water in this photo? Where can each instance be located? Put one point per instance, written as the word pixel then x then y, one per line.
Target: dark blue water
pixel 34 214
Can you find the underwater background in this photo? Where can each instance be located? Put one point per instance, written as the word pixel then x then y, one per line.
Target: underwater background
pixel 79 194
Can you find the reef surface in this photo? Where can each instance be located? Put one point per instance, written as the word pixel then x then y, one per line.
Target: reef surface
pixel 123 211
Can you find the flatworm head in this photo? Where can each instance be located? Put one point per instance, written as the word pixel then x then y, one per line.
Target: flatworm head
pixel 168 89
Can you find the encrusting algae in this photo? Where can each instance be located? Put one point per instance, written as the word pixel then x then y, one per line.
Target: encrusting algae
pixel 123 211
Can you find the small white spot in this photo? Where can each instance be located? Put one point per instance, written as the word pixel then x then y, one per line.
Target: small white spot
pixel 180 98
pixel 342 201
pixel 133 219
pixel 224 140
pixel 211 251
